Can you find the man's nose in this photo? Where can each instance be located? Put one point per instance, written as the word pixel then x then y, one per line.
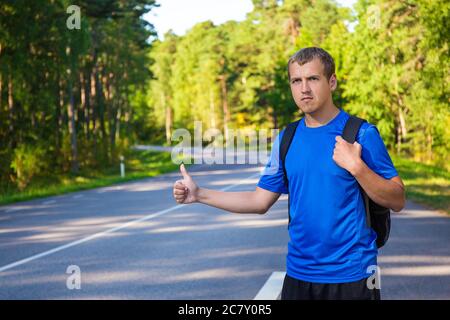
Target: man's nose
pixel 305 87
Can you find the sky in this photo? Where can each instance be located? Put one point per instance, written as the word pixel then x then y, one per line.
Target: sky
pixel 181 15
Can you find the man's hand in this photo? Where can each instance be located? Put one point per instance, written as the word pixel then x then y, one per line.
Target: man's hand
pixel 186 190
pixel 259 201
pixel 347 155
pixel 388 193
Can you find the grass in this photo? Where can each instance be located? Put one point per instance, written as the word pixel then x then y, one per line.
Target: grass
pixel 425 184
pixel 138 165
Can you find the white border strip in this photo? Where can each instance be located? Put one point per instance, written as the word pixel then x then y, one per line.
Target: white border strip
pixel 272 288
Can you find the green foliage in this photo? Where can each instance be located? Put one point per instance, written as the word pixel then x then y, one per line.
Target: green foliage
pixel 398 76
pixel 426 184
pixel 392 69
pixel 74 89
pixel 139 164
pixel 27 161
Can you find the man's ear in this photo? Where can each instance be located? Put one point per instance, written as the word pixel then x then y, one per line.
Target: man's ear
pixel 333 82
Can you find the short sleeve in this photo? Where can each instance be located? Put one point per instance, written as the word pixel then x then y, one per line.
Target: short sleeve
pixel 272 178
pixel 375 154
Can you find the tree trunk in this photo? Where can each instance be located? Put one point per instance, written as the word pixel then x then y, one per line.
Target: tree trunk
pixel 87 110
pixel 118 117
pixel 93 114
pixel 1 92
pixel 59 117
pixel 212 109
pixel 226 112
pixel 112 113
pixel 11 109
pixel 401 125
pixel 169 118
pixel 127 112
pixel 84 108
pixel 72 130
pixel 398 138
pixel 101 112
pixel 293 29
pixel 169 123
pixel 1 85
pixel 274 118
pixel 430 145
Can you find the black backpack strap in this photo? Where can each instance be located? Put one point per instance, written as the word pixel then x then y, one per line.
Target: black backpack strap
pixel 284 147
pixel 350 133
pixel 286 141
pixel 351 128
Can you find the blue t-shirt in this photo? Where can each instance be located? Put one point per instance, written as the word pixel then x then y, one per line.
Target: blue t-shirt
pixel 329 239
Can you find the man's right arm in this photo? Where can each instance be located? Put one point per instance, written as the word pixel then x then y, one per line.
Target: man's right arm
pixel 258 201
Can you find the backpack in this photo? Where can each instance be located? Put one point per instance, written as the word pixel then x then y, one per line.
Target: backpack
pixel 377 217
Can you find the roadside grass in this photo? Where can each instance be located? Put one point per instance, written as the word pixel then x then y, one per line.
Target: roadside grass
pixel 425 184
pixel 138 165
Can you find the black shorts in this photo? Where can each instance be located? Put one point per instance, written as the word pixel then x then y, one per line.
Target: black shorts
pixel 294 289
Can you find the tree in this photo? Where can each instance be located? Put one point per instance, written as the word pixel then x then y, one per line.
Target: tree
pixel 64 93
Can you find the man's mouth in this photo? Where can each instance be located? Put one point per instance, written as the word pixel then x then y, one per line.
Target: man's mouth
pixel 306 98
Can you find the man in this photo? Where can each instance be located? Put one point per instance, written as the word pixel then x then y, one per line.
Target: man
pixel 331 249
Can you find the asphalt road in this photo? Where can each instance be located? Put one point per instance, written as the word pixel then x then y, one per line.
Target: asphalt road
pixel 132 241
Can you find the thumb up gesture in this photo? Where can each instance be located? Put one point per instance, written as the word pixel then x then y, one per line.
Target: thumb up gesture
pixel 185 190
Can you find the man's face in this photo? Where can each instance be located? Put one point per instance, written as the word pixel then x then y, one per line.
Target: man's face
pixel 310 86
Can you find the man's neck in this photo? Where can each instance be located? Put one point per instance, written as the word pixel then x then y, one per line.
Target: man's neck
pixel 321 117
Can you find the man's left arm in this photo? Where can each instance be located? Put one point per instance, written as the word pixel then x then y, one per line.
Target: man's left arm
pixel 389 193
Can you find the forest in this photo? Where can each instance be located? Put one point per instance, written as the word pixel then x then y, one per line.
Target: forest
pixel 75 99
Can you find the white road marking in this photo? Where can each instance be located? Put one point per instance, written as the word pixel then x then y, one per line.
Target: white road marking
pixel 12 209
pixel 49 202
pixel 100 234
pixel 271 290
pixel 113 188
